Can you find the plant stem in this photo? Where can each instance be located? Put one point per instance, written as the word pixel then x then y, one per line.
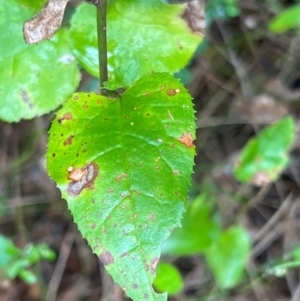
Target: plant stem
pixel 102 43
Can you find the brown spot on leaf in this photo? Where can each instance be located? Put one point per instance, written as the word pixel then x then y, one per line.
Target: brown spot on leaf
pixel 154 263
pixel 187 140
pixel 69 140
pixel 26 99
pixel 121 176
pixel 135 286
pixel 66 116
pixel 85 106
pixel 151 216
pixel 146 296
pixel 172 92
pixel 46 23
pixel 106 258
pixel 76 174
pixel 124 254
pixel 82 178
pixel 75 97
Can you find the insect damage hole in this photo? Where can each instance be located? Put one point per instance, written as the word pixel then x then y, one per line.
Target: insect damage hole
pixel 81 178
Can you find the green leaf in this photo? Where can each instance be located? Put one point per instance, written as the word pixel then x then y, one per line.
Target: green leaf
pixel 5 256
pixel 168 279
pixel 16 266
pixel 267 153
pixel 280 270
pixel 296 253
pixel 227 257
pixel 286 20
pixel 198 230
pixel 220 9
pixel 31 253
pixel 143 36
pixel 27 276
pixel 124 167
pixel 34 79
pixel 45 252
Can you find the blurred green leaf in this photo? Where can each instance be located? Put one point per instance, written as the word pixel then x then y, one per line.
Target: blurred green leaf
pixel 296 253
pixel 14 262
pixel 32 253
pixel 45 252
pixel 280 269
pixel 27 276
pixel 198 230
pixel 267 153
pixel 124 166
pixel 34 79
pixel 168 279
pixel 144 36
pixel 16 266
pixel 286 20
pixel 228 256
pixel 5 255
pixel 220 9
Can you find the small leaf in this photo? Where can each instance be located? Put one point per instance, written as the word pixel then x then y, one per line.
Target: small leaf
pixel 34 79
pixel 296 253
pixel 198 230
pixel 16 266
pixel 31 253
pixel 267 153
pixel 221 9
pixel 125 174
pixel 45 252
pixel 46 23
pixel 143 36
pixel 286 20
pixel 168 279
pixel 228 256
pixel 27 276
pixel 5 255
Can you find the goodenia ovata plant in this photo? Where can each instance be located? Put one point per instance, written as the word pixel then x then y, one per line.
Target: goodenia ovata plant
pixel 123 165
pixel 143 36
pixel 34 79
